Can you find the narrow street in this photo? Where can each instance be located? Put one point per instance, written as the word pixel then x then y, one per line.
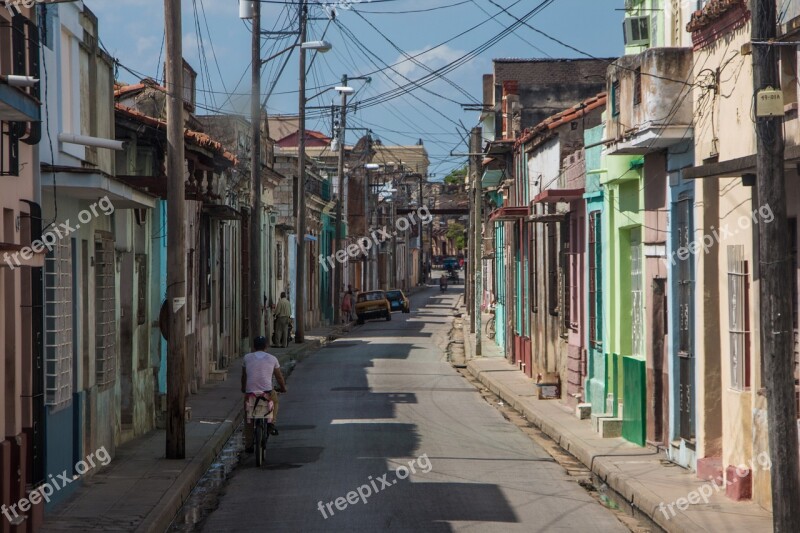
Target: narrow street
pixel 379 399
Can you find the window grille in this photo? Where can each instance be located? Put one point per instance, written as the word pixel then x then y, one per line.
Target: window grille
pixel 595 279
pixel 104 310
pixel 58 325
pixel 637 297
pixel 738 323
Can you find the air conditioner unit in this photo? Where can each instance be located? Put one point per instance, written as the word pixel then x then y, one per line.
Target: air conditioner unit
pixel 637 31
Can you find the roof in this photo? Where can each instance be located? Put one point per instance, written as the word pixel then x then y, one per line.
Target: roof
pixel 195 137
pixel 414 157
pixel 564 117
pixel 551 60
pixel 281 126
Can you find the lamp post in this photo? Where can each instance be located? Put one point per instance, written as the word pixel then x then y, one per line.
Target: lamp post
pixel 344 90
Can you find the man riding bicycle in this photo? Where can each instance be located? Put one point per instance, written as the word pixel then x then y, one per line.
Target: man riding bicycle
pixel 258 369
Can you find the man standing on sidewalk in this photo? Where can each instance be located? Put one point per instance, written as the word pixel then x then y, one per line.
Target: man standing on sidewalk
pixel 283 312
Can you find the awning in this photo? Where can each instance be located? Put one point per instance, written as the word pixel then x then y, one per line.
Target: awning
pixel 491 178
pixel 19 255
pixel 547 217
pixel 221 212
pixel 552 196
pixel 505 214
pixel 90 185
pixel 735 168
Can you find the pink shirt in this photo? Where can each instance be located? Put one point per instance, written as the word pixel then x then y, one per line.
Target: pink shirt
pixel 260 367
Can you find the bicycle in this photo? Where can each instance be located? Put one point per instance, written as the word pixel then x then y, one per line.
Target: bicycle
pixel 490 326
pixel 262 416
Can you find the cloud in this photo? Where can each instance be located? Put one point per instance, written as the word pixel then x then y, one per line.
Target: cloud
pixel 434 59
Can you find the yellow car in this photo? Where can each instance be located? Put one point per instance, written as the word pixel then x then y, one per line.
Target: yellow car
pixel 372 304
pixel 398 301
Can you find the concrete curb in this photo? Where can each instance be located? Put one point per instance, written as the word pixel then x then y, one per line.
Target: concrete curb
pixel 159 519
pixel 635 492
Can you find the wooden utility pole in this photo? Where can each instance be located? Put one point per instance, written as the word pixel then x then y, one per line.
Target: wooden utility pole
pixel 337 274
pixel 477 298
pixel 176 238
pixel 255 172
pixel 775 275
pixel 300 282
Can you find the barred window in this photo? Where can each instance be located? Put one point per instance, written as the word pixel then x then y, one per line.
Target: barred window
pixel 105 351
pixel 738 313
pixel 58 325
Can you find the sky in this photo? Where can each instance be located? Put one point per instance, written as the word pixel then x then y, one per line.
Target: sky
pixel 367 37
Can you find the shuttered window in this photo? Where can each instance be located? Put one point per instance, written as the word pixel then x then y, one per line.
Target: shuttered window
pixel 104 310
pixel 738 323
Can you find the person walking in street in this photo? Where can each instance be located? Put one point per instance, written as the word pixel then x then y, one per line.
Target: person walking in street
pixel 347 306
pixel 283 313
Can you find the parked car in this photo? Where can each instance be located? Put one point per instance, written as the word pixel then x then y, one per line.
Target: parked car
pixel 450 263
pixel 372 304
pixel 398 301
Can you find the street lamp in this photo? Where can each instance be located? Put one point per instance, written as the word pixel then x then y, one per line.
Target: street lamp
pixel 343 90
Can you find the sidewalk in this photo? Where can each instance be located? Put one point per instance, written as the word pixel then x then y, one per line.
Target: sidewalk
pixel 643 476
pixel 140 490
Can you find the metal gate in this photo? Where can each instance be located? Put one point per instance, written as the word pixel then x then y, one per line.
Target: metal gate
pixel 685 309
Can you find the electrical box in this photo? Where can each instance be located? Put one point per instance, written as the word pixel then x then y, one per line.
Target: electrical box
pixel 769 103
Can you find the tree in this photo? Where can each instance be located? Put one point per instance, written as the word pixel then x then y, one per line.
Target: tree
pixel 458 234
pixel 456 177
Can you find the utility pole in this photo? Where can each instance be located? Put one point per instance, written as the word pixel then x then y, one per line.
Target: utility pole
pixel 366 269
pixel 475 149
pixel 255 172
pixel 420 231
pixel 337 274
pixel 176 238
pixel 777 337
pixel 300 283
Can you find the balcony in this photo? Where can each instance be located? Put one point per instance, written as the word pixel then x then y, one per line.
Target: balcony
pixel 650 106
pixel 19 55
pixel 318 187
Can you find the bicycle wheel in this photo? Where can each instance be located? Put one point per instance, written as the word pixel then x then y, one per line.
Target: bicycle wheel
pixel 490 330
pixel 258 438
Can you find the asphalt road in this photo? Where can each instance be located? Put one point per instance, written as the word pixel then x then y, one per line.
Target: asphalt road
pixel 368 405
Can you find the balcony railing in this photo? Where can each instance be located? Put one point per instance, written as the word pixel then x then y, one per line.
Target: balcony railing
pixel 321 188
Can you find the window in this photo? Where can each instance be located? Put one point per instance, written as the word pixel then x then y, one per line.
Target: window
pixel 534 273
pixel 637 86
pixel 279 260
pixel 615 98
pixel 738 319
pixel 141 288
pixel 204 263
pixel 58 325
pixel 636 31
pixel 104 310
pixel 685 281
pixel 793 248
pixel 552 267
pixel 637 295
pixel 566 273
pixel 595 279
